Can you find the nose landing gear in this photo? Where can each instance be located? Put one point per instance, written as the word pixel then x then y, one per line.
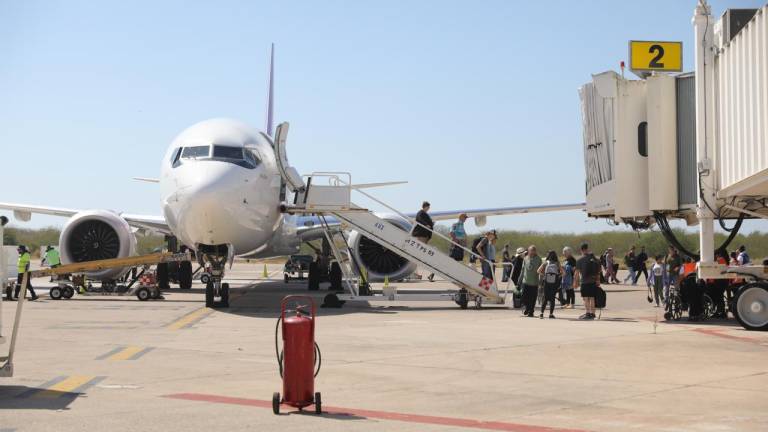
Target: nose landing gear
pixel 214 287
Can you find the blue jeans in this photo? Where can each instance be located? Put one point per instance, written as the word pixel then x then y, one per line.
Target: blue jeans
pixel 487 270
pixel 631 276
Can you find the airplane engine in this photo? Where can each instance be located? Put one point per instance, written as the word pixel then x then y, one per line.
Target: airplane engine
pixel 378 260
pixel 96 235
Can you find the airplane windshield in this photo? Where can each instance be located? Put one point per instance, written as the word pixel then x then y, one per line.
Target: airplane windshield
pixel 228 152
pixel 195 152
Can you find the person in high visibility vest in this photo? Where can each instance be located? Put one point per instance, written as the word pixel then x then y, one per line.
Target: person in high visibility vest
pixel 52 257
pixel 23 266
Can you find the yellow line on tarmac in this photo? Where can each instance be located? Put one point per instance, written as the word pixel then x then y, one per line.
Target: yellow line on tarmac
pixel 66 386
pixel 126 353
pixel 190 318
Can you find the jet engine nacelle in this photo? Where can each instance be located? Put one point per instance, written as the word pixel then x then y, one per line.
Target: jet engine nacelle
pixel 378 260
pixel 96 235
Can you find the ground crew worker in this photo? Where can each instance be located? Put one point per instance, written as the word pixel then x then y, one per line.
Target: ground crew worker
pixel 23 266
pixel 52 257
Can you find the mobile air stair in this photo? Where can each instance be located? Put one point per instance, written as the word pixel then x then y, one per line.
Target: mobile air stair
pixel 329 194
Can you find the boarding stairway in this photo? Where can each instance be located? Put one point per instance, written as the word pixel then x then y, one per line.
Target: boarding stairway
pixel 329 193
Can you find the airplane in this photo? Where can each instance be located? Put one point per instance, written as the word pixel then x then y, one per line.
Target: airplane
pixel 221 194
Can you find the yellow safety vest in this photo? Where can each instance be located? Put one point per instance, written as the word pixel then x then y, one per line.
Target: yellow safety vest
pixel 24 262
pixel 52 257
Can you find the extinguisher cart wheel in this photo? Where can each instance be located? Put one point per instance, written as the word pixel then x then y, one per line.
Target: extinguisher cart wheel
pixel 276 403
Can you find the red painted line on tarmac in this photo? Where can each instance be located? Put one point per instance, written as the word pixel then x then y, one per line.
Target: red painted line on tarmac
pixel 382 415
pixel 719 333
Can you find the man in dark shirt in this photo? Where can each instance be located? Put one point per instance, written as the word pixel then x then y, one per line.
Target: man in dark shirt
pixel 587 276
pixel 640 267
pixel 422 230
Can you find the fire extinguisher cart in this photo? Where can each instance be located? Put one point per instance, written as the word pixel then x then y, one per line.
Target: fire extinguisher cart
pixel 299 362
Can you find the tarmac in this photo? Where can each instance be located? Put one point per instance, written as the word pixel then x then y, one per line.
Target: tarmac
pixel 106 363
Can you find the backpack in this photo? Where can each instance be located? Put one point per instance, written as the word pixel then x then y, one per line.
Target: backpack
pixel 551 273
pixel 600 298
pixel 745 258
pixel 476 242
pixel 593 268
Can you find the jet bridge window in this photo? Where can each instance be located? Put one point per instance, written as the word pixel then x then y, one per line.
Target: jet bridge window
pixel 195 152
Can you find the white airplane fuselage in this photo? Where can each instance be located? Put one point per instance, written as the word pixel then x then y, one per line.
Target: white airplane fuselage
pixel 220 185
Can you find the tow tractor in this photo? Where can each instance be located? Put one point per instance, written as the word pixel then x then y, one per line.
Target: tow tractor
pixel 6 362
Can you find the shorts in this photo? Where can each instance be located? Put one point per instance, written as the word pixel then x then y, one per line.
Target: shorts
pixel 589 290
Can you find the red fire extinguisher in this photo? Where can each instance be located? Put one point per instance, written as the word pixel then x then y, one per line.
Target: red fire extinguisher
pixel 300 361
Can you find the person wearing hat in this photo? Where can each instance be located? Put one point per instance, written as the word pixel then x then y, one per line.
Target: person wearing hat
pixel 487 252
pixel 52 258
pixel 458 236
pixel 23 266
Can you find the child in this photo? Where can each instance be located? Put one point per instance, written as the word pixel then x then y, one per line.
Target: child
pixel 657 275
pixel 552 273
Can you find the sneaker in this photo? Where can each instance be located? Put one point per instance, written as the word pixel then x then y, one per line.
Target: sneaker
pixel 34 298
pixel 584 317
pixel 590 317
pixel 551 316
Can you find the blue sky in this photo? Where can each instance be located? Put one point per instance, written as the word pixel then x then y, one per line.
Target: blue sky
pixel 474 103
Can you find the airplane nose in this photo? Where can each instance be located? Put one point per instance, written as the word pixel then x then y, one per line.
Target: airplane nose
pixel 207 206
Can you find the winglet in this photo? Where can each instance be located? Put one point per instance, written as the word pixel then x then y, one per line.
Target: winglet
pixel 270 93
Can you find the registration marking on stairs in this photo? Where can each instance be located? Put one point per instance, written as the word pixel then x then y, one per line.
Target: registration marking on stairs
pixel 125 353
pixel 190 319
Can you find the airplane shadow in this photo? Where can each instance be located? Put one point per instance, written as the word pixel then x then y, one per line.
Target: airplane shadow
pixel 23 397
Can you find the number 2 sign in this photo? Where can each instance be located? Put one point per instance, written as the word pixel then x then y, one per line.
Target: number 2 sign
pixel 648 56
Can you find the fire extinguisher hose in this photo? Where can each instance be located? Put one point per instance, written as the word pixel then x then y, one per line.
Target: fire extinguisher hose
pixel 279 352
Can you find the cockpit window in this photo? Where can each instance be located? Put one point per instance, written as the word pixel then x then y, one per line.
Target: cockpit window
pixel 251 157
pixel 195 152
pixel 228 152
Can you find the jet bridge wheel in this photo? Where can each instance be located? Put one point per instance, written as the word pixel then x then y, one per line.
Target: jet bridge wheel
pixel 751 309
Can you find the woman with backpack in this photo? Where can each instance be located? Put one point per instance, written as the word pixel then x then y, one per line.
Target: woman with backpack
pixel 552 272
pixel 569 266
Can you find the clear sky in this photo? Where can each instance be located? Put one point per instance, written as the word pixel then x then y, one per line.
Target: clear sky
pixel 474 103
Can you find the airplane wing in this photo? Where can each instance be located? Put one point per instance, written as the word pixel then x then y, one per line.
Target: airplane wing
pixel 23 212
pixel 500 211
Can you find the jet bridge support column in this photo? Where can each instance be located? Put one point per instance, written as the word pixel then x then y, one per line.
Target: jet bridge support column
pixel 705 99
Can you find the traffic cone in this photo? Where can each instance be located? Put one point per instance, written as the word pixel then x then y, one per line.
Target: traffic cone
pixel 265 274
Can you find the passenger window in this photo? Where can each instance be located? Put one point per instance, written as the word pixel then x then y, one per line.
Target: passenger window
pixel 642 139
pixel 195 152
pixel 228 152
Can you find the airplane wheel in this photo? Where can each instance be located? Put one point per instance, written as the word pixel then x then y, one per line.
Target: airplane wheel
pixel 209 294
pixel 276 403
pixel 55 293
pixel 143 294
pixel 68 292
pixel 225 295
pixel 318 404
pixel 185 275
pixel 752 306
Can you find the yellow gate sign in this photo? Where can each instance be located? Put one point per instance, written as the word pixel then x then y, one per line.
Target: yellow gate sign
pixel 648 56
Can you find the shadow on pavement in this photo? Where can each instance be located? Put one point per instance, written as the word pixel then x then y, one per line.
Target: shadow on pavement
pixel 23 397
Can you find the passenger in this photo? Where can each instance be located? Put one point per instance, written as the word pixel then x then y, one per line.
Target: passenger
pixel 610 274
pixel 506 260
pixel 587 275
pixel 657 279
pixel 640 266
pixel 459 236
pixel 743 257
pixel 486 250
pixel 672 264
pixel 517 266
pixel 23 266
pixel 552 273
pixel 529 279
pixel 630 262
pixel 569 266
pixel 422 230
